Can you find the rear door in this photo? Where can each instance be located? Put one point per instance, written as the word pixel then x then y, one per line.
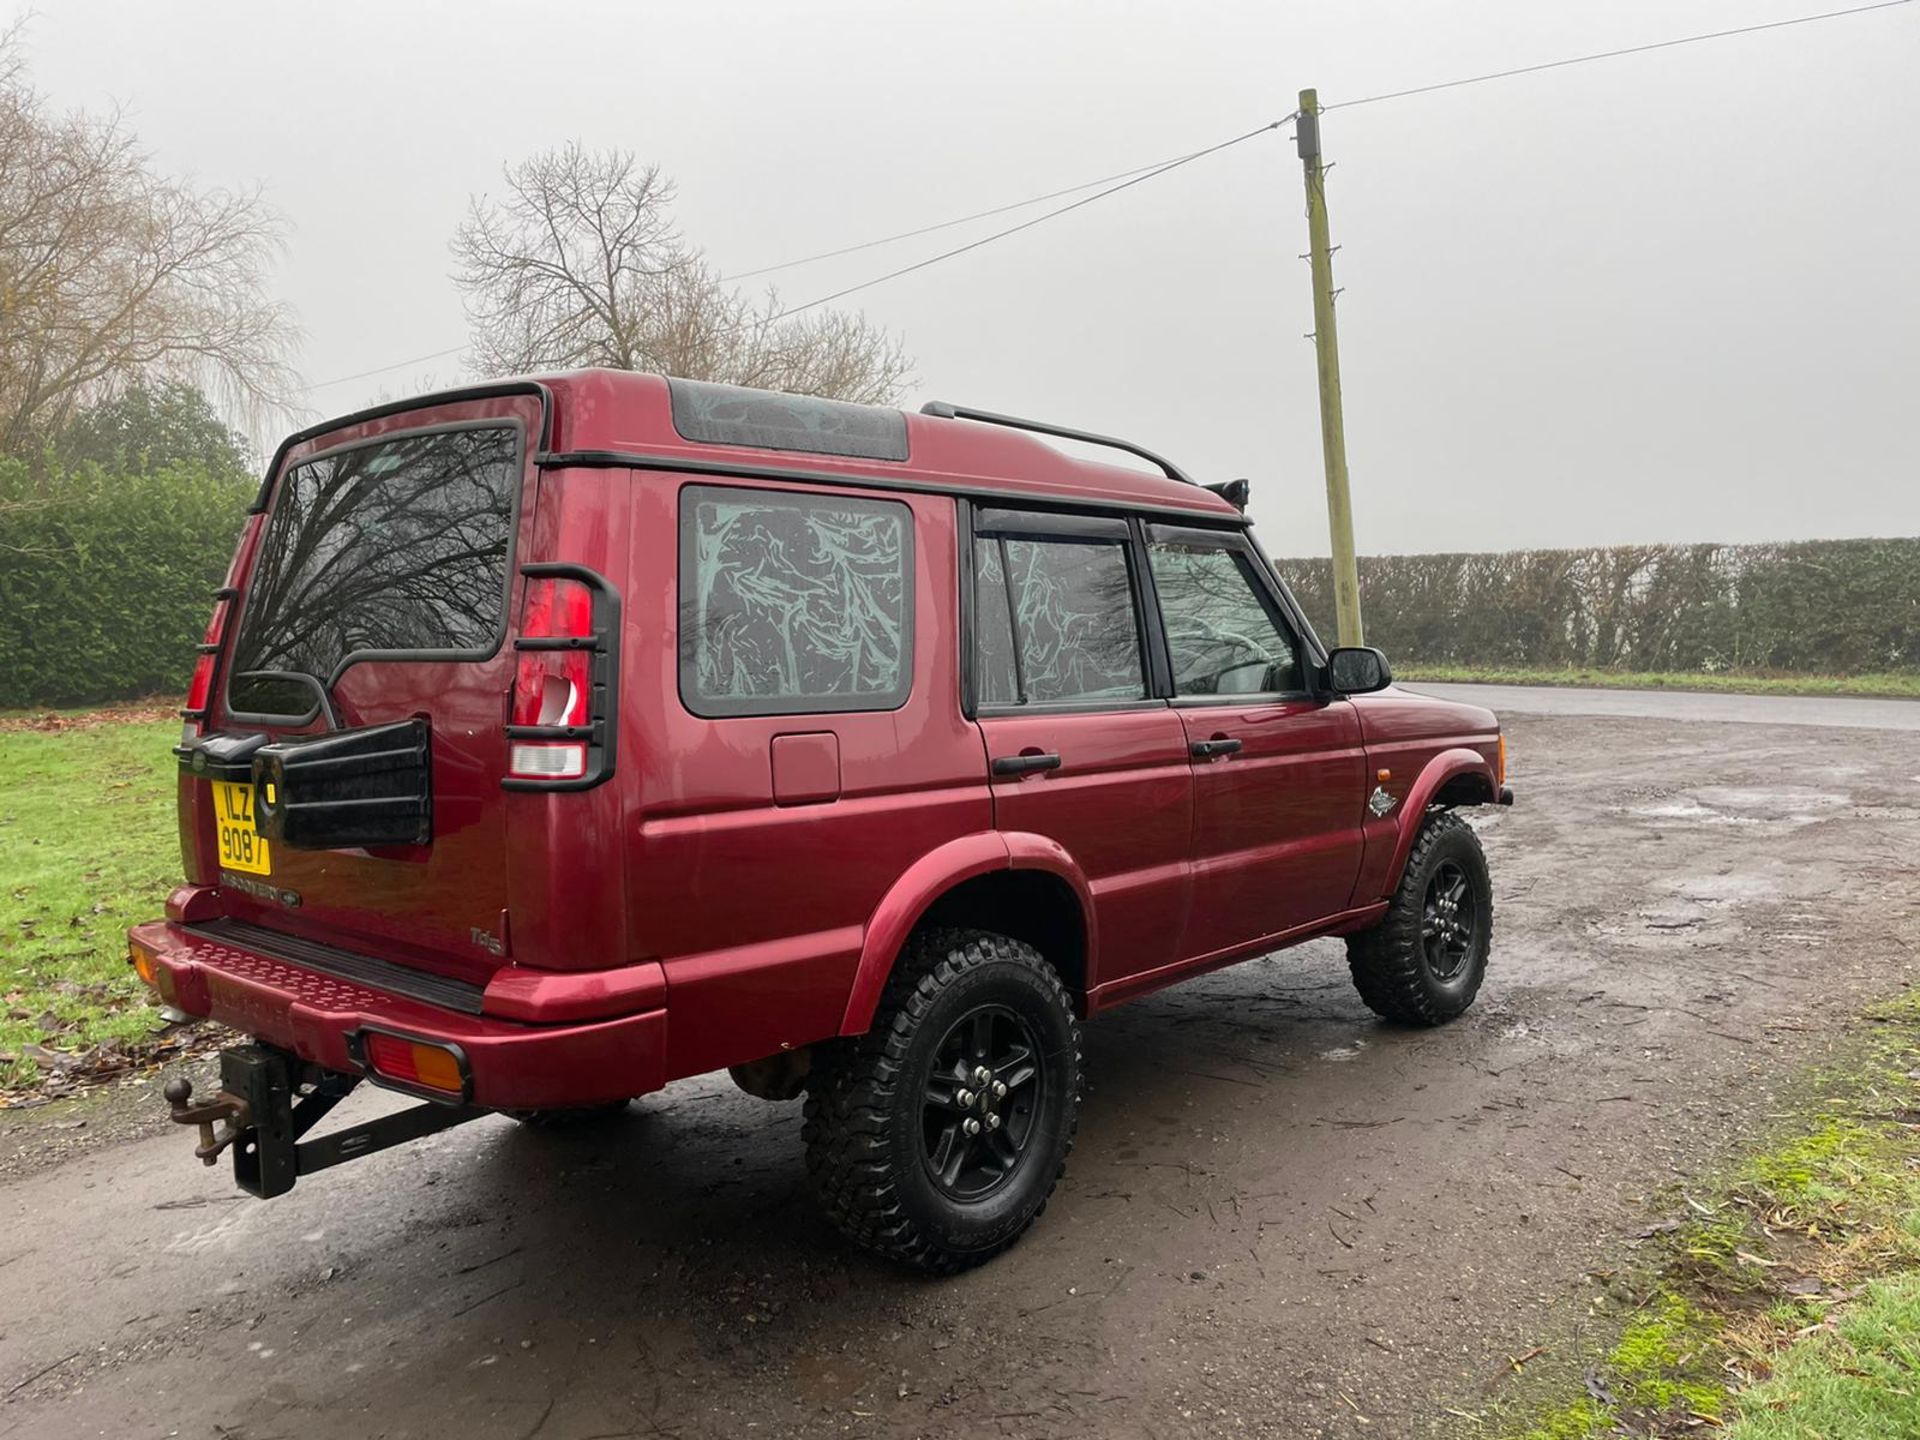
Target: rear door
pixel 1077 751
pixel 1278 774
pixel 379 591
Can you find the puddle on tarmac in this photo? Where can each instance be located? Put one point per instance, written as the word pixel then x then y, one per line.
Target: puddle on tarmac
pixel 1789 806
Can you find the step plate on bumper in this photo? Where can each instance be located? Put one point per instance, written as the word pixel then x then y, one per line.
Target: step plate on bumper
pixel 514 1066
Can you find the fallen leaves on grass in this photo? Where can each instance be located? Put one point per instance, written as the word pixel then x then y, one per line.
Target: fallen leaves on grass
pixel 64 1073
pixel 154 707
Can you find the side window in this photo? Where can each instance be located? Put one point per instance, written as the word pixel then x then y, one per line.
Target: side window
pixel 1221 636
pixel 793 603
pixel 1055 622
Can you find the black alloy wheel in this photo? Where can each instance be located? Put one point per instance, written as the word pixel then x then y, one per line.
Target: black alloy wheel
pixel 1423 963
pixel 979 1103
pixel 1447 921
pixel 935 1137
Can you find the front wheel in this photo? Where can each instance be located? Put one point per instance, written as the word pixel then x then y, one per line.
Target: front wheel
pixel 1423 963
pixel 936 1137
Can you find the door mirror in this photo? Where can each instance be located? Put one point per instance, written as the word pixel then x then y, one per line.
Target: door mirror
pixel 1357 670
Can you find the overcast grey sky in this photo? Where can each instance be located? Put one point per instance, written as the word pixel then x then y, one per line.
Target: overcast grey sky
pixel 1666 297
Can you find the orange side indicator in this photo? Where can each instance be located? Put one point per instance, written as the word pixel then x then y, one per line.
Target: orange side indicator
pixel 1383 776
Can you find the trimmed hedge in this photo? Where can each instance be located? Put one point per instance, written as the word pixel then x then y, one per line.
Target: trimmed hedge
pixel 106 579
pixel 1818 607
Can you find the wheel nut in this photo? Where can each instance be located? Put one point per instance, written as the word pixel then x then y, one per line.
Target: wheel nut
pixel 993 1122
pixel 971 1126
pixel 982 1075
pixel 965 1097
pixel 999 1090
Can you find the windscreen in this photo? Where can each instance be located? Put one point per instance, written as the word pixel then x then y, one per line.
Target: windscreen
pixel 394 549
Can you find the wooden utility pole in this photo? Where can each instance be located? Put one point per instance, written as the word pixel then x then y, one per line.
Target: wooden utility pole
pixel 1326 343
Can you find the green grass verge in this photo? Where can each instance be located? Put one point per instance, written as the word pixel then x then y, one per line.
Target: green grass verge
pixel 1887 686
pixel 87 847
pixel 1859 1380
pixel 1787 1302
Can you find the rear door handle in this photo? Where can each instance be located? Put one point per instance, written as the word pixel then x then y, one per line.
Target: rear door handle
pixel 1202 749
pixel 1024 764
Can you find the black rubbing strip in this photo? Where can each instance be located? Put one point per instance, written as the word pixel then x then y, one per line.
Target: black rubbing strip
pixel 438 990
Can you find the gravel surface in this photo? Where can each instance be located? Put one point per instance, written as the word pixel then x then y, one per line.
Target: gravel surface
pixel 1282 1217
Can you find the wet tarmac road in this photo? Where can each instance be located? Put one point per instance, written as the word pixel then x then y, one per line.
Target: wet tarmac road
pixel 1282 1217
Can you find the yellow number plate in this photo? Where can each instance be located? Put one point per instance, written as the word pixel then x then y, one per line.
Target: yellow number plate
pixel 240 848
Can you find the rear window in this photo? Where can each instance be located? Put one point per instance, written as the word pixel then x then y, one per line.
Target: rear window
pixel 793 603
pixel 394 549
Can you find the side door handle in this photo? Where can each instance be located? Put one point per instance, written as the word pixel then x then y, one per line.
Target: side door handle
pixel 1024 764
pixel 1226 745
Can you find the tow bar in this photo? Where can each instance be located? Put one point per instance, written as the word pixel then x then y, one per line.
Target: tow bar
pixel 263 1116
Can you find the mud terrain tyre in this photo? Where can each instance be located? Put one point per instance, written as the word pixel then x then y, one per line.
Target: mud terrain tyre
pixel 1422 965
pixel 936 1137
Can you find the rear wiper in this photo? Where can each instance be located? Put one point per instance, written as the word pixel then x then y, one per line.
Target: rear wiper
pixel 310 682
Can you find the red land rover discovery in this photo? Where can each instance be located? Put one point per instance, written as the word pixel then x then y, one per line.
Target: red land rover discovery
pixel 556 739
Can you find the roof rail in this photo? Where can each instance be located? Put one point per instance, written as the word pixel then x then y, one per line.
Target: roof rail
pixel 1040 427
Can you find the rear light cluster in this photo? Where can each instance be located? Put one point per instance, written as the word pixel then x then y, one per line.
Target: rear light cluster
pixel 200 687
pixel 418 1066
pixel 560 723
pixel 553 688
pixel 206 666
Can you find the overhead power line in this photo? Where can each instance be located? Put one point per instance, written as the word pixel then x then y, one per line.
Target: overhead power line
pixel 1612 54
pixel 1126 178
pixel 949 224
pixel 383 369
pixel 1129 178
pixel 1151 174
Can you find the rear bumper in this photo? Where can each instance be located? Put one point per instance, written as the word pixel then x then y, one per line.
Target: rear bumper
pixel 317 1017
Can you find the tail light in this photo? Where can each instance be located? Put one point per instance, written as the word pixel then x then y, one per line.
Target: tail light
pixel 200 687
pixel 420 1067
pixel 206 666
pixel 560 729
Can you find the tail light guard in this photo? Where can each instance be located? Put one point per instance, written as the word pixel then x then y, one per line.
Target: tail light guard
pixel 562 728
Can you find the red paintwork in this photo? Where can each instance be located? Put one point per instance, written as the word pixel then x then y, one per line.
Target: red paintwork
pixel 743 885
pixel 548 997
pixel 514 1066
pixel 1276 840
pixel 1120 808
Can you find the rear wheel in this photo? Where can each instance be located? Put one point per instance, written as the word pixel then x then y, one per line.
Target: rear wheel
pixel 936 1137
pixel 1422 965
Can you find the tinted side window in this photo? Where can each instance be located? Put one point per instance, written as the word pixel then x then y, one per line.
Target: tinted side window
pixel 1221 636
pixel 793 603
pixel 396 546
pixel 1062 626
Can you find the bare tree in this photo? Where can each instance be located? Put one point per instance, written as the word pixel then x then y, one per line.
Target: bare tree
pixel 580 263
pixel 111 273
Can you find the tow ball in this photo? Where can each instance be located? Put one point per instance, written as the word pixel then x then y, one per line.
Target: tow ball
pixel 225 1106
pixel 269 1099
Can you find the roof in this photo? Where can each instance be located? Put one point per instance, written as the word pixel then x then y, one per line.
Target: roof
pixel 611 414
